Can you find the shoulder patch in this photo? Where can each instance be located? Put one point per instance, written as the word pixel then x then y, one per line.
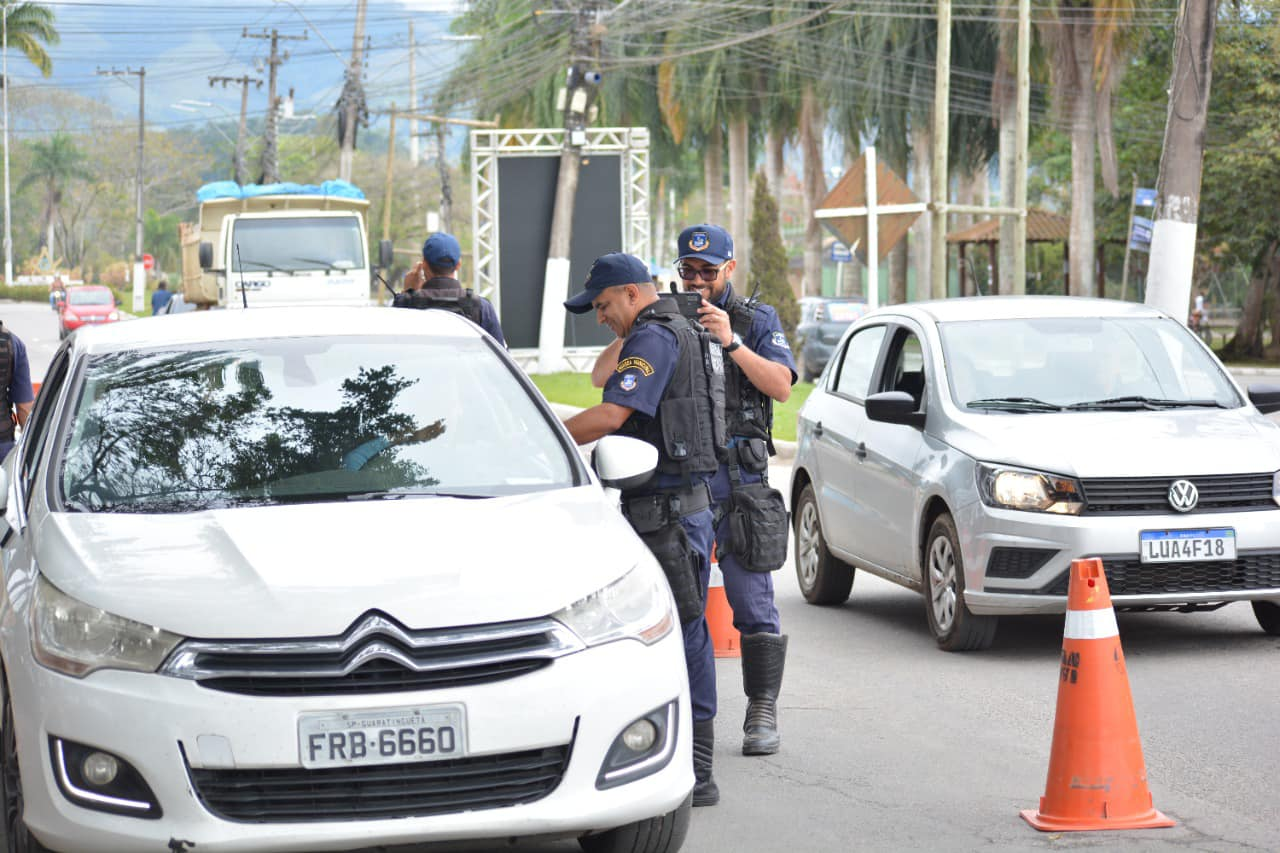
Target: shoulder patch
pixel 780 340
pixel 628 382
pixel 634 363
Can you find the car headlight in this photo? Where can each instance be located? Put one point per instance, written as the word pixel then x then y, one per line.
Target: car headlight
pixel 1034 491
pixel 636 606
pixel 68 314
pixel 75 638
pixel 114 315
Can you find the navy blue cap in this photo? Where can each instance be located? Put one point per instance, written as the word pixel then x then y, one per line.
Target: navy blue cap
pixel 609 270
pixel 442 250
pixel 710 243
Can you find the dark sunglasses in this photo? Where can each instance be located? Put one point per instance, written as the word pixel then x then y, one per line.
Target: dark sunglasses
pixel 689 273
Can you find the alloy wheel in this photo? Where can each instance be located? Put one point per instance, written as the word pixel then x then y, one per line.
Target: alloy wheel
pixel 942 583
pixel 808 536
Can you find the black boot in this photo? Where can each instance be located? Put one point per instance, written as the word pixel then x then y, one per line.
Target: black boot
pixel 705 791
pixel 762 658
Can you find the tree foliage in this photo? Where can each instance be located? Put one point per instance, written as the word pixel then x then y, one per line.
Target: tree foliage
pixel 769 258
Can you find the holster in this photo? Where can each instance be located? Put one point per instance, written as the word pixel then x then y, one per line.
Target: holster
pixel 656 518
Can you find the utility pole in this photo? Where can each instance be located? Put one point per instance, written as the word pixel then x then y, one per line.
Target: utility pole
pixel 941 176
pixel 413 97
pixel 270 145
pixel 244 113
pixel 579 94
pixel 352 96
pixel 139 273
pixel 1173 239
pixel 4 73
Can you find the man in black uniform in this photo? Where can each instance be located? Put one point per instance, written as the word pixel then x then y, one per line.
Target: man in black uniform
pixel 667 389
pixel 433 283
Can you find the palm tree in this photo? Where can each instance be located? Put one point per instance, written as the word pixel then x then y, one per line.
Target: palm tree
pixel 54 164
pixel 30 29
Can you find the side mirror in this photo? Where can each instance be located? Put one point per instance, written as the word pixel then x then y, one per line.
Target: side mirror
pixel 385 254
pixel 206 255
pixel 894 407
pixel 1265 397
pixel 624 463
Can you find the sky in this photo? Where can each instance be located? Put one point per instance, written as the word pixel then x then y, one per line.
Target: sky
pixel 181 45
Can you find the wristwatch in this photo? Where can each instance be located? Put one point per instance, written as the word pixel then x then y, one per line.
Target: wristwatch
pixel 735 343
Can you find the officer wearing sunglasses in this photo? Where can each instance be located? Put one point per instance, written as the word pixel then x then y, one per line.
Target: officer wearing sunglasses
pixel 758 369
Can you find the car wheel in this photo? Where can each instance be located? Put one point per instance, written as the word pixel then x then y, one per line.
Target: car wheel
pixel 18 838
pixel 823 578
pixel 1268 616
pixel 662 834
pixel 953 626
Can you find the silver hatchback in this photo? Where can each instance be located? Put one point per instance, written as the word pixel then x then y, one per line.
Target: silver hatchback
pixel 970 449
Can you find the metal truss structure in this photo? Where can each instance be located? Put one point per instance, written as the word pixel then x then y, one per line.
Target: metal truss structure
pixel 487 146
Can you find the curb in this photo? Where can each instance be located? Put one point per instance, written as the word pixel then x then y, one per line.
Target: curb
pixel 786 449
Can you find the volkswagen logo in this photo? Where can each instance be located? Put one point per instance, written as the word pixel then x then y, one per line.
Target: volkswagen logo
pixel 1183 495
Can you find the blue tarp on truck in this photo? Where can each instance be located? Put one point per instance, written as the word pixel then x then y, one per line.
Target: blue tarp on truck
pixel 230 189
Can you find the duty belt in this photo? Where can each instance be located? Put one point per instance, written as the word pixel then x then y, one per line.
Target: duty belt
pixel 655 511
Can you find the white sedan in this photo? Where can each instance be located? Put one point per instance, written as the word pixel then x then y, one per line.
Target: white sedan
pixel 317 579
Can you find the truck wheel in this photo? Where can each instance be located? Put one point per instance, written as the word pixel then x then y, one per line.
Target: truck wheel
pixel 661 834
pixel 954 627
pixel 1268 616
pixel 823 578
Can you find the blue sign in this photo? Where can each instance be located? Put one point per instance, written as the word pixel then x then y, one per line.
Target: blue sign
pixel 1140 234
pixel 840 253
pixel 1144 197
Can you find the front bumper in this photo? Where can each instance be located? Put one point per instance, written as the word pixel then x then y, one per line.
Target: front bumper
pixel 1254 575
pixel 163 725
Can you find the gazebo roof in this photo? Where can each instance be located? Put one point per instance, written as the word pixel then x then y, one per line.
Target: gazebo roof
pixel 1042 227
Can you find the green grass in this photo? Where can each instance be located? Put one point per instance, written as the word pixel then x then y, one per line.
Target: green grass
pixel 574 389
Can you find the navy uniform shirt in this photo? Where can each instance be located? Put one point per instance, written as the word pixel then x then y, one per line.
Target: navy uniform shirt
pixel 645 366
pixel 20 389
pixel 765 338
pixel 488 316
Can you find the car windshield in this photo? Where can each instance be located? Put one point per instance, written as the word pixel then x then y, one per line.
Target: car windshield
pixel 76 296
pixel 304 419
pixel 1051 363
pixel 843 312
pixel 297 243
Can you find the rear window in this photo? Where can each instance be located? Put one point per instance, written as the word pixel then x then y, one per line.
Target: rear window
pixel 843 312
pixel 90 297
pixel 304 419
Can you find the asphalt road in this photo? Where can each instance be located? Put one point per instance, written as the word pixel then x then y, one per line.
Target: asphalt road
pixel 890 744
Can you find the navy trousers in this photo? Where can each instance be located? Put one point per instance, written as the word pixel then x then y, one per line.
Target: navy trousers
pixel 699 653
pixel 750 594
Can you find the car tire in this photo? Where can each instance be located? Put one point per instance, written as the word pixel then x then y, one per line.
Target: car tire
pixel 661 834
pixel 823 578
pixel 17 837
pixel 954 627
pixel 1268 615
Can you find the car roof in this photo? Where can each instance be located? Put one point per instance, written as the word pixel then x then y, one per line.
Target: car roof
pixel 202 327
pixel 1014 308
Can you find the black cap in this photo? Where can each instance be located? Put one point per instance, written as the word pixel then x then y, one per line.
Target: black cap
pixel 609 270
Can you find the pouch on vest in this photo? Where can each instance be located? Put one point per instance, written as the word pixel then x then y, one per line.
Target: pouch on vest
pixel 680 428
pixel 671 547
pixel 753 455
pixel 757 527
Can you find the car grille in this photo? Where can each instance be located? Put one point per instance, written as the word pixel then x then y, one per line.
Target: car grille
pixel 375 655
pixel 1020 563
pixel 385 791
pixel 1150 495
pixel 1129 576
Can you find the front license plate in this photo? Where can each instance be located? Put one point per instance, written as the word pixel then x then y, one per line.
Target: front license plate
pixel 384 736
pixel 1187 546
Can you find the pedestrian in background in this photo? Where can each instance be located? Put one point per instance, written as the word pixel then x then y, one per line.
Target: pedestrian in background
pixel 161 297
pixel 666 387
pixel 433 283
pixel 15 382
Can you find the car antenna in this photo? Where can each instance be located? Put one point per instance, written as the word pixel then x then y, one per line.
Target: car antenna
pixel 244 295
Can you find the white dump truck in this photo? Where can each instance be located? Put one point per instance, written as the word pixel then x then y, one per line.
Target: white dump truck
pixel 281 244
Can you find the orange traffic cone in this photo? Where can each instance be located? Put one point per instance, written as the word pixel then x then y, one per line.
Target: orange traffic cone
pixel 724 637
pixel 1097 778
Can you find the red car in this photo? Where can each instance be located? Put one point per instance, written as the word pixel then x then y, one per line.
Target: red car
pixel 88 305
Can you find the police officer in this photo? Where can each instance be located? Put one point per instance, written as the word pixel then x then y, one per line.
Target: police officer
pixel 433 283
pixel 16 393
pixel 666 388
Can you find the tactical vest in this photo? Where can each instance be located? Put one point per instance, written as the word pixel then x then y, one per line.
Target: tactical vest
pixel 6 376
pixel 748 411
pixel 453 299
pixel 688 429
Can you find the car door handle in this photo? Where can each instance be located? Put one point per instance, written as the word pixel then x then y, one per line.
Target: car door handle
pixel 817 430
pixel 860 450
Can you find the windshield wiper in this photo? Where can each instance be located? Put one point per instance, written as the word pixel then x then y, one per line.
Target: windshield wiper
pixel 1014 404
pixel 345 266
pixel 1139 402
pixel 263 265
pixel 391 496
